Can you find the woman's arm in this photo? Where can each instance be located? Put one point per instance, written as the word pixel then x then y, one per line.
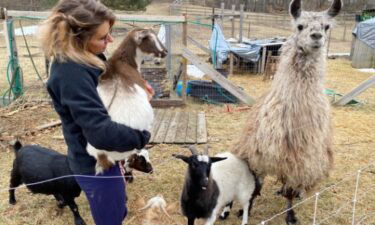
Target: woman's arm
pixel 79 95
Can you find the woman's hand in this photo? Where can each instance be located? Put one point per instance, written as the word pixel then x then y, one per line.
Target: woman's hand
pixel 150 91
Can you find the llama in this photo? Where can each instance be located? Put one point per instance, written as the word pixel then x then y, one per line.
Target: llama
pixel 124 92
pixel 288 132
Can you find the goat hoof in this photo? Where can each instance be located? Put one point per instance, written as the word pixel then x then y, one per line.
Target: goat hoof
pixel 79 221
pixel 240 213
pixel 291 221
pixel 61 204
pixel 12 201
pixel 224 215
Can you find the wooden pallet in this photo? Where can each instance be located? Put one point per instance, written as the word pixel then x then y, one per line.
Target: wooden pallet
pixel 178 127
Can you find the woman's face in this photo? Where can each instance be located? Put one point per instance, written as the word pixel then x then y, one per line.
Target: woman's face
pixel 98 42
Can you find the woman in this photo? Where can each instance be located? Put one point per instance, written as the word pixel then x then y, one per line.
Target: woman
pixel 75 36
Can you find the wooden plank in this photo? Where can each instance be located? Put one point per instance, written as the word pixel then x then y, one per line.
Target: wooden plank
pixel 181 128
pixel 49 125
pixel 201 128
pixel 191 132
pixel 163 128
pixel 157 120
pixel 171 134
pixel 164 103
pixel 120 17
pixel 199 45
pixel 217 77
pixel 356 91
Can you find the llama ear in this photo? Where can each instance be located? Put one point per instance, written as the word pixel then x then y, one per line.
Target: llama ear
pixel 335 8
pixel 140 35
pixel 217 159
pixel 295 9
pixel 184 158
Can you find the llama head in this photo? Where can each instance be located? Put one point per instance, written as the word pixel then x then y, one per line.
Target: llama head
pixel 312 28
pixel 148 43
pixel 199 166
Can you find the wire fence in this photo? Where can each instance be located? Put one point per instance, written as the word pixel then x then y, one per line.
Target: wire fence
pixel 34 67
pixel 336 208
pixel 266 30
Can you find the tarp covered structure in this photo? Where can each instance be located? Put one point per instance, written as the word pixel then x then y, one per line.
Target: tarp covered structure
pixel 247 50
pixel 365 31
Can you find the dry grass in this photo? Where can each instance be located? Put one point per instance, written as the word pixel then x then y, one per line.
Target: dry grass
pixel 353 145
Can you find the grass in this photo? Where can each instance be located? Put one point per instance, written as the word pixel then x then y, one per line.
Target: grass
pixel 353 146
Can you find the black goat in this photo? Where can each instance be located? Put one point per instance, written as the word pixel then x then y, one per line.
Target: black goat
pixel 33 164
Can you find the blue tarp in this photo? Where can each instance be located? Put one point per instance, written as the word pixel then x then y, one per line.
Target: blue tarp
pixel 365 31
pixel 249 51
pixel 219 45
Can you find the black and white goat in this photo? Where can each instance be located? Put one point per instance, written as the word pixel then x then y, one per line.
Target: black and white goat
pixel 212 183
pixel 34 164
pixel 124 92
pixel 138 161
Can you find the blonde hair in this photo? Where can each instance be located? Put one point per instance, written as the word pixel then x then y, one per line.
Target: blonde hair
pixel 67 31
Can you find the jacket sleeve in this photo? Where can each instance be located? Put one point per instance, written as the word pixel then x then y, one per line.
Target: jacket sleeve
pixel 79 95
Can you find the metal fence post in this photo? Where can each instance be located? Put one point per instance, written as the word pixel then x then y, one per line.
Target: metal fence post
pixel 184 60
pixel 168 43
pixel 241 21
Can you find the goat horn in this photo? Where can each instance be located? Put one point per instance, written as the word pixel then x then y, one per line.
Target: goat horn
pixel 193 150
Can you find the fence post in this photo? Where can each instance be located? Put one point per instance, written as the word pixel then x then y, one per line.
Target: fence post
pixel 184 60
pixel 344 20
pixel 232 20
pixel 15 79
pixel 222 5
pixel 329 41
pixel 241 22
pixel 232 35
pixel 355 195
pixel 168 43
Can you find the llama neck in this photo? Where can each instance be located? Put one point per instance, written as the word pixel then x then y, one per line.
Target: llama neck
pixel 297 66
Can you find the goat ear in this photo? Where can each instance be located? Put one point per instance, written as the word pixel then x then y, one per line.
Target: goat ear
pixel 295 9
pixel 140 35
pixel 335 8
pixel 217 159
pixel 183 157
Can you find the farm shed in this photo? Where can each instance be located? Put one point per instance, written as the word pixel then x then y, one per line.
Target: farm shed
pixel 363 49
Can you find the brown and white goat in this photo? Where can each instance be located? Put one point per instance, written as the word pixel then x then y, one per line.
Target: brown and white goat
pixel 124 92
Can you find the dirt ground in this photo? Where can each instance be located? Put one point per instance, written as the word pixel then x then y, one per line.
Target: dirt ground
pixel 354 143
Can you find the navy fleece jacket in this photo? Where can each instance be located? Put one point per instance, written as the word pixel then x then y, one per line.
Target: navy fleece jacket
pixel 72 87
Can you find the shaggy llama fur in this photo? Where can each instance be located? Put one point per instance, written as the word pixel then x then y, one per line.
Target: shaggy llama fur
pixel 288 133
